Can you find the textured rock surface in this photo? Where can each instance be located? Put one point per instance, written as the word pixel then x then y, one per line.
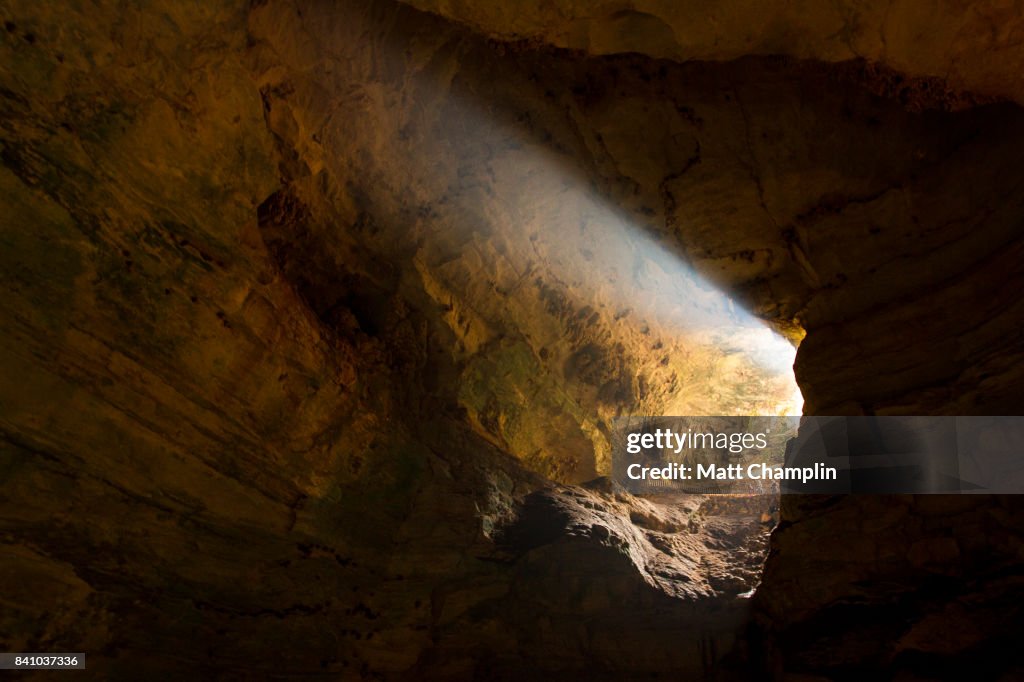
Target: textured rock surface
pixel 299 298
pixel 974 47
pixel 204 453
pixel 497 206
pixel 605 584
pixel 912 587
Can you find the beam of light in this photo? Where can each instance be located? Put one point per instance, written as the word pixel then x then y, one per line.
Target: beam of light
pixel 509 233
pixel 534 217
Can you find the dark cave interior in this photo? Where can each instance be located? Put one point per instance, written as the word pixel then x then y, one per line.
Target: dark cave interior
pixel 316 317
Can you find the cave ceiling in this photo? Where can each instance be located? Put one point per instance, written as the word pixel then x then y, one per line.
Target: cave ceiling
pixel 968 48
pixel 304 301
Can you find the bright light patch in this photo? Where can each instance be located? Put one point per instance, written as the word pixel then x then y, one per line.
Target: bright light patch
pixel 571 267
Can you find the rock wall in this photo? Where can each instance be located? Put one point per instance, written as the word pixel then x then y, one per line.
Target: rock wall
pixel 423 164
pixel 898 270
pixel 223 459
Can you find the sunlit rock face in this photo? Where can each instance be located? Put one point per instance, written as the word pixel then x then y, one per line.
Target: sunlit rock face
pixel 305 303
pixel 511 203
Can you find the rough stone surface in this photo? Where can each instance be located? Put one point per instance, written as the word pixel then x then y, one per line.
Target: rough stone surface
pixel 914 587
pixel 490 195
pixel 974 47
pixel 304 304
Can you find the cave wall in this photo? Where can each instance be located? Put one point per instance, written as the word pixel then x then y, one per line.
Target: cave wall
pixel 186 447
pixel 418 157
pixel 199 461
pixel 289 332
